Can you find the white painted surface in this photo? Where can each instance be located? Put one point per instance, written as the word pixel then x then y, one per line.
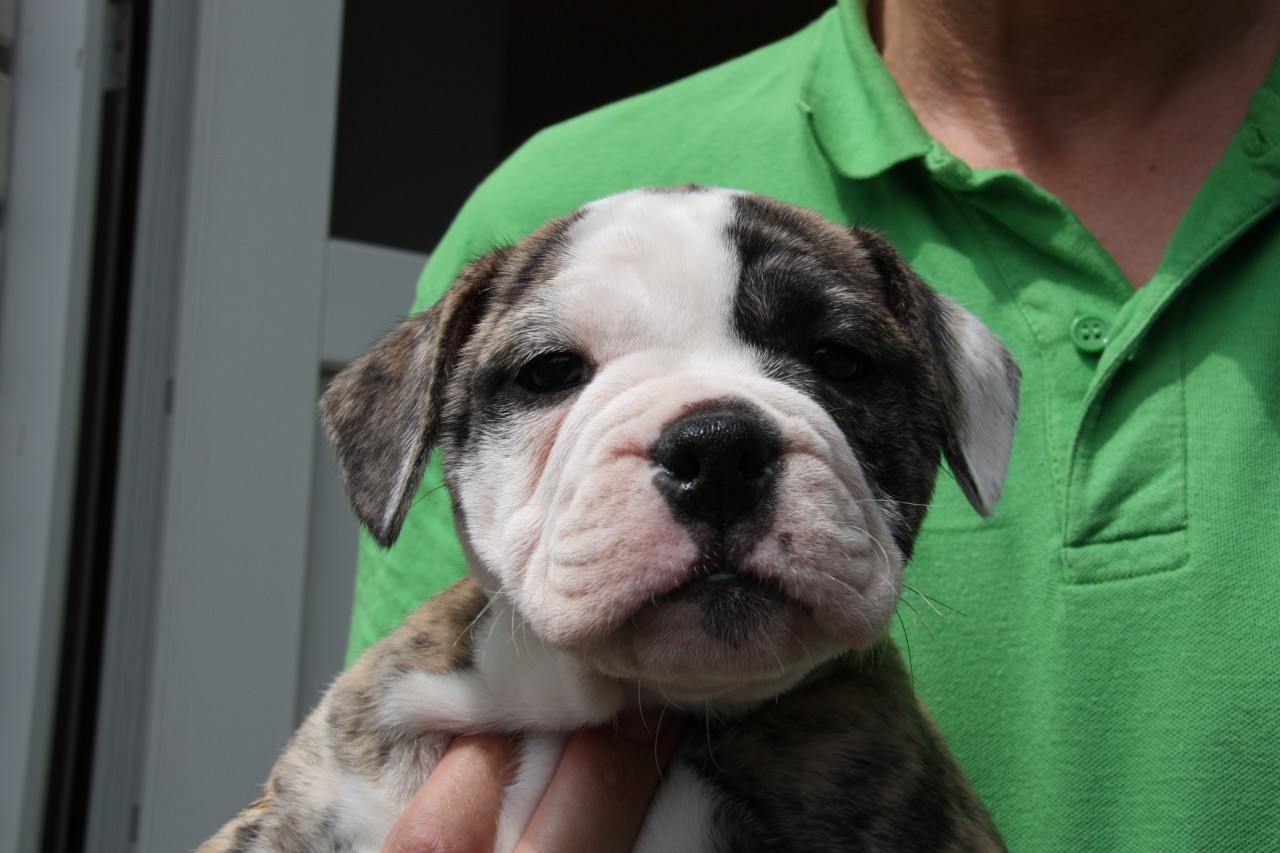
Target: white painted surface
pixel 233 557
pixel 369 289
pixel 144 433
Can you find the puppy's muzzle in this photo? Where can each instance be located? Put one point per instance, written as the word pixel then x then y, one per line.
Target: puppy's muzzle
pixel 717 465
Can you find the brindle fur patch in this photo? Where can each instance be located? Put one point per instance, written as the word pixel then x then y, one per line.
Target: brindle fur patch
pixel 805 282
pixel 434 638
pixel 848 761
pixel 382 413
pixel 489 360
pixel 345 732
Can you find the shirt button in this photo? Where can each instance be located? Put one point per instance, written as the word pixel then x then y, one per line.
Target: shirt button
pixel 948 168
pixel 1090 334
pixel 1256 140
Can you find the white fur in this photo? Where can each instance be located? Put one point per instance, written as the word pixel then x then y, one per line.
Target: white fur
pixel 563 525
pixel 367 812
pixel 518 683
pixel 681 817
pixel 990 402
pixel 539 755
pixel 565 518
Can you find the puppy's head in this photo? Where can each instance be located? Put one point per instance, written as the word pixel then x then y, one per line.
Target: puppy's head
pixel 690 434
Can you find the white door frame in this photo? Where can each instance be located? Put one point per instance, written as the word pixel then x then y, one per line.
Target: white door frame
pixel 231 528
pixel 235 516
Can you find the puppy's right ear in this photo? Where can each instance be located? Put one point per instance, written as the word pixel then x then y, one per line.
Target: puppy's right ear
pixel 382 413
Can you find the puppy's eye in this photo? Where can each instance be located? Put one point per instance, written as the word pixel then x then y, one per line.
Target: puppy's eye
pixel 554 371
pixel 837 361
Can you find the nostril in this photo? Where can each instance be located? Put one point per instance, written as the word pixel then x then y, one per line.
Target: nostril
pixel 754 460
pixel 716 465
pixel 682 463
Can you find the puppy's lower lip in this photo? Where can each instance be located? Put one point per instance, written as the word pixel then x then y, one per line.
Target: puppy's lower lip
pixel 725 580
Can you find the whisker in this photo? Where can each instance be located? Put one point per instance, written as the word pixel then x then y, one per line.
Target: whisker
pixel 909 588
pixel 932 601
pixel 472 624
pixel 657 730
pixel 906 640
pixel 711 753
pixel 916 613
pixel 890 501
pixel 425 494
pixel 524 637
pixel 884 555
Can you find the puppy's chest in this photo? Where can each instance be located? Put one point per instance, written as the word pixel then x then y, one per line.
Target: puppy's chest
pixel 787 779
pixel 845 761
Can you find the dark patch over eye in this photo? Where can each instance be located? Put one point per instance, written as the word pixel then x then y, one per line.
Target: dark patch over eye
pixel 553 371
pixel 839 362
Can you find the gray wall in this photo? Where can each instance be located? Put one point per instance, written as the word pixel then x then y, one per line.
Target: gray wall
pixel 56 59
pixel 233 549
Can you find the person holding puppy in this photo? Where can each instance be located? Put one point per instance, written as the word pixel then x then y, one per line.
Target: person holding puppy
pixel 1098 181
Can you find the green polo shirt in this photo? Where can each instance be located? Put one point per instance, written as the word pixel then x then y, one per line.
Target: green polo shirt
pixel 1104 653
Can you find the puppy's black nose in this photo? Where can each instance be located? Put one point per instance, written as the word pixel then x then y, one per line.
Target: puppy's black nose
pixel 717 465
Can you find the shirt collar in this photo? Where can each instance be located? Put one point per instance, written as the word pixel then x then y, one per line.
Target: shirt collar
pixel 859 116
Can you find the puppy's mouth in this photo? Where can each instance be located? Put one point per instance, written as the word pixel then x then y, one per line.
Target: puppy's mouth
pixel 725 634
pixel 732 604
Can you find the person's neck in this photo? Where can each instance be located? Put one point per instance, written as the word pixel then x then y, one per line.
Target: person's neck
pixel 1035 67
pixel 1120 107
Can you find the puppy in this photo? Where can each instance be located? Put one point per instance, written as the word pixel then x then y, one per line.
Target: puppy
pixel 690 436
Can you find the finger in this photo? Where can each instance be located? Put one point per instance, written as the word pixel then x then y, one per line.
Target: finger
pixel 602 787
pixel 457 808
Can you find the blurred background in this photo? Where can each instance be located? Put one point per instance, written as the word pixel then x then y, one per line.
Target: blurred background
pixel 206 209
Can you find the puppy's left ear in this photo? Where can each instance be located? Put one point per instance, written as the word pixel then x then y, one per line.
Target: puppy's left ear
pixel 982 407
pixel 382 412
pixel 977 378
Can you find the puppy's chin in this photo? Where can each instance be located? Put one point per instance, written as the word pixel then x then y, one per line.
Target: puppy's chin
pixel 719 641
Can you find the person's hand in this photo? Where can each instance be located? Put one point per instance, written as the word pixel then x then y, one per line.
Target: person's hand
pixel 595 802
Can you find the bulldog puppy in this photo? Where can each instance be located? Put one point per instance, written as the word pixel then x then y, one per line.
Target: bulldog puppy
pixel 690 436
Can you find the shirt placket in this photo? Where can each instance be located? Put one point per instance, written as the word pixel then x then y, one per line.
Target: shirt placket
pixel 1068 291
pixel 1113 430
pixel 1114 357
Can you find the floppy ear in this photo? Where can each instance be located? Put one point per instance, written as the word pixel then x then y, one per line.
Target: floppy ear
pixel 978 379
pixel 382 413
pixel 983 407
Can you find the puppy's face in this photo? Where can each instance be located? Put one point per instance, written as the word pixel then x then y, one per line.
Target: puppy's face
pixel 690 434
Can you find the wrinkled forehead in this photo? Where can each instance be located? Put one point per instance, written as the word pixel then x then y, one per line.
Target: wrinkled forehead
pixel 697 269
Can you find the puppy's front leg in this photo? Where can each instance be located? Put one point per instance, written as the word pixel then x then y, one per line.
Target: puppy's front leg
pixel 457 665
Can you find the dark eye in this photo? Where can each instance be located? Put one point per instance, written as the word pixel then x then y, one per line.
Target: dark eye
pixel 837 361
pixel 554 371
